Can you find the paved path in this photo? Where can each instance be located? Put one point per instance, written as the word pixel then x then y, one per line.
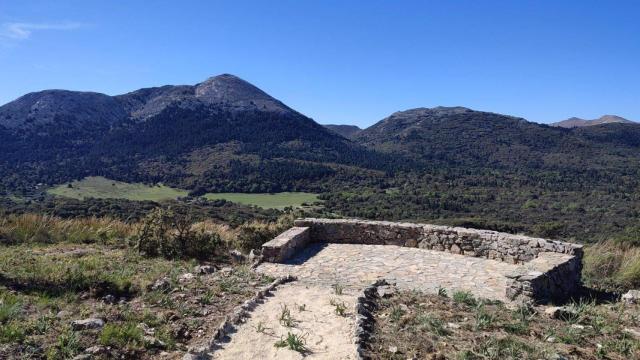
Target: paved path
pixel 327 335
pixel 410 268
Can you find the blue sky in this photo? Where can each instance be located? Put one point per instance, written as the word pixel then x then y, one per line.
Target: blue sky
pixel 343 61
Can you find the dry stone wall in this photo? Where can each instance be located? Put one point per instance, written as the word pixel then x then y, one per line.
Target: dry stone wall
pixel 550 271
pixel 471 242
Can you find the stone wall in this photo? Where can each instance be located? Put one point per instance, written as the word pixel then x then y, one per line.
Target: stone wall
pixel 551 277
pixel 286 244
pixel 550 271
pixel 471 242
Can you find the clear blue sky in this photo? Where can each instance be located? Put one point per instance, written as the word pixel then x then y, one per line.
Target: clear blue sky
pixel 339 61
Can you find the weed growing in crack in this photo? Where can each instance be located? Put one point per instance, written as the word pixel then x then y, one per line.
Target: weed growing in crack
pixel 261 328
pixel 340 307
pixel 285 317
pixel 338 288
pixel 293 342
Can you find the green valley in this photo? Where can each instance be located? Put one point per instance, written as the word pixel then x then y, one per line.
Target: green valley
pixel 99 187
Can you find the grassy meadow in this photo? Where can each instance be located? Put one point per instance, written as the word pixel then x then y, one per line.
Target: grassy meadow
pixel 267 201
pixel 102 188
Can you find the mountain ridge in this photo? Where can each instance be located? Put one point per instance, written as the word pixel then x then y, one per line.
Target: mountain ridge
pixel 223 134
pixel 574 122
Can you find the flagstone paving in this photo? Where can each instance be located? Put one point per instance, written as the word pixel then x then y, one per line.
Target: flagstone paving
pixel 356 266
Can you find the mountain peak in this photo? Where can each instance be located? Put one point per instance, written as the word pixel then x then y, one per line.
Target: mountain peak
pixel 44 107
pixel 235 93
pixel 574 122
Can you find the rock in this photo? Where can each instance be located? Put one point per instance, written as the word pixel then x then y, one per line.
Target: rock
pixel 577 326
pixel 154 343
pixel 63 314
pixel 393 349
pixel 411 243
pixel 633 332
pixel 109 299
pixel 162 284
pixel 551 339
pixel 386 291
pixel 86 324
pixel 558 357
pixel 199 356
pixel 186 277
pixel 403 307
pixel 227 270
pixel 631 297
pixel 95 350
pixel 181 331
pixel 146 329
pixel 204 269
pixel 82 357
pixel 253 255
pixel 453 326
pixel 560 312
pixel 237 255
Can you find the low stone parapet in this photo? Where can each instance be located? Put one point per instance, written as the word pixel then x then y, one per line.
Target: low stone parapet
pixel 286 244
pixel 548 270
pixel 471 242
pixel 551 277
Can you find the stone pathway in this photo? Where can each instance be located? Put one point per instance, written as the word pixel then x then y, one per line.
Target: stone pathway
pixel 356 266
pixel 327 335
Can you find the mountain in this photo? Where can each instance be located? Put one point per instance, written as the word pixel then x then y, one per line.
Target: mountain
pixel 605 119
pixel 458 135
pixel 461 137
pixel 223 134
pixel 347 131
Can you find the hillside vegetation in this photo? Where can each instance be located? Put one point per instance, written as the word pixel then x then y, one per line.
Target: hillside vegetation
pixel 442 165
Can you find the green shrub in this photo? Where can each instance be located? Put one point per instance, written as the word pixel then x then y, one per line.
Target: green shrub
pixel 253 234
pixel 127 335
pixel 10 308
pixel 464 297
pixel 11 332
pixel 172 235
pixel 66 347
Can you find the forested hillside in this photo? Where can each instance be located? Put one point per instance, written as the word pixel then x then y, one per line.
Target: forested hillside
pixel 448 165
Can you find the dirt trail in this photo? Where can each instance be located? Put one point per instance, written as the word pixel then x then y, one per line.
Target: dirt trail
pixel 327 335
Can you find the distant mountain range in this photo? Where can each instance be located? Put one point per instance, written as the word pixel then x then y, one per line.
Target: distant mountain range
pixel 225 134
pixel 605 119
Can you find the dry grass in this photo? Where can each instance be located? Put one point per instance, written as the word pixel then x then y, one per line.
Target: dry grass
pixel 411 325
pixel 46 229
pixel 33 228
pixel 612 265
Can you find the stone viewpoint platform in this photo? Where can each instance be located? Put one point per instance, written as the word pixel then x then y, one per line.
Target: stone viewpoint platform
pixel 426 257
